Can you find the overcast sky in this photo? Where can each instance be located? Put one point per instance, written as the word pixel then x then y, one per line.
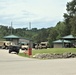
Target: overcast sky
pixel 41 13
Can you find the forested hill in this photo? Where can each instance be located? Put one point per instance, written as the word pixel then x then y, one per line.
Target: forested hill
pixel 37 35
pixel 66 27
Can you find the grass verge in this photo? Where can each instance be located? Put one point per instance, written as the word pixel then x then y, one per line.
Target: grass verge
pixel 51 50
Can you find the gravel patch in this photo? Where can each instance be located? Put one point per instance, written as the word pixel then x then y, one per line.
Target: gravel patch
pixel 54 56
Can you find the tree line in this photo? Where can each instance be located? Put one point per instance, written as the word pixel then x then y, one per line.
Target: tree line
pixel 62 28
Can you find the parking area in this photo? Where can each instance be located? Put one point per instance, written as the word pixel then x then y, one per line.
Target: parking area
pixel 12 64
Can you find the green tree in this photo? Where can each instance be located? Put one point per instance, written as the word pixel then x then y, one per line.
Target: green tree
pixel 70 17
pixel 73 23
pixel 42 35
pixel 61 29
pixel 52 35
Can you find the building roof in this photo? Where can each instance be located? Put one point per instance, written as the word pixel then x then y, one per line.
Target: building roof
pixel 61 41
pixel 11 36
pixel 70 37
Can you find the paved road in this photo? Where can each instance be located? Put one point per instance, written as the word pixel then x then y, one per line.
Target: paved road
pixel 12 64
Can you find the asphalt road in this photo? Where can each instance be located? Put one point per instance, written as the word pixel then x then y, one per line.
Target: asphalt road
pixel 12 64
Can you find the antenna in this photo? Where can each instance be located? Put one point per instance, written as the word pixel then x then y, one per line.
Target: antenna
pixel 29 25
pixel 11 28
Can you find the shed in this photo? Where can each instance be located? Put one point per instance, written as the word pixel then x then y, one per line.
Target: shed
pixel 12 38
pixel 58 43
pixel 70 38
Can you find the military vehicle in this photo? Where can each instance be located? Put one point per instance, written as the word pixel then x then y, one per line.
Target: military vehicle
pixel 41 45
pixel 5 44
pixel 14 48
pixel 23 45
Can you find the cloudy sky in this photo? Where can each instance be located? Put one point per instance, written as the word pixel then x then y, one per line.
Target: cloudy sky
pixel 41 13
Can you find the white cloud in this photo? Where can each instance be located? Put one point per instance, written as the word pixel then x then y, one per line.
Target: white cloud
pixel 23 11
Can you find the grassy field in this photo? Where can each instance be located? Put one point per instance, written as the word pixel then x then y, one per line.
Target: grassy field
pixel 51 50
pixel 55 50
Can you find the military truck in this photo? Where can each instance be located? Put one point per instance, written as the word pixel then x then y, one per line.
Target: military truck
pixel 23 45
pixel 14 48
pixel 41 45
